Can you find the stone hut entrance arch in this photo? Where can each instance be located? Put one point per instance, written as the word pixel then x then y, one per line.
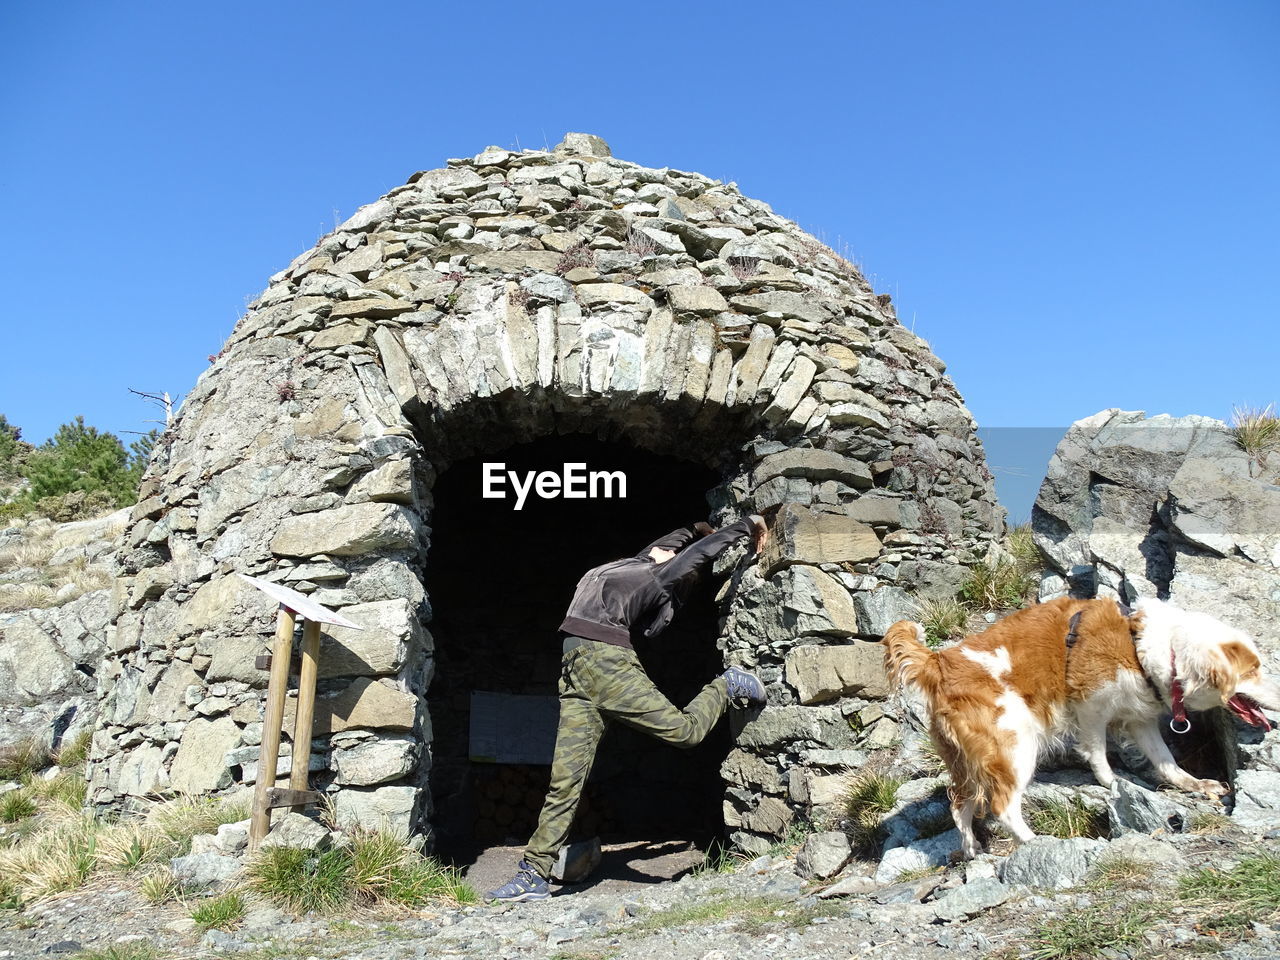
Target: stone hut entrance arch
pixel 677 469
pixel 511 299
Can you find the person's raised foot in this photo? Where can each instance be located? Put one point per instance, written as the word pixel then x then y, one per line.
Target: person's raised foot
pixel 744 685
pixel 526 885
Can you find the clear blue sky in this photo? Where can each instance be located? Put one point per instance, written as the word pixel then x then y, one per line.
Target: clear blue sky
pixel 1075 203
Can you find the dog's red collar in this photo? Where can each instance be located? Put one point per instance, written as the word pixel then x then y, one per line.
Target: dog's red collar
pixel 1175 698
pixel 1179 724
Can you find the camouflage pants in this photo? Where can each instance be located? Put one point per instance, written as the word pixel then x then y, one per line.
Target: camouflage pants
pixel 600 682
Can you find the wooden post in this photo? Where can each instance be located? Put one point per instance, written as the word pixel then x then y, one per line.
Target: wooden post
pixel 277 689
pixel 306 707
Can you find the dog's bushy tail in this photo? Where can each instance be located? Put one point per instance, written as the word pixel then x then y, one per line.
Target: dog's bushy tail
pixel 907 661
pixel 964 744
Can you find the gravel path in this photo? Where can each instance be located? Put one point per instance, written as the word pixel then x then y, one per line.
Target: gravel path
pixel 761 911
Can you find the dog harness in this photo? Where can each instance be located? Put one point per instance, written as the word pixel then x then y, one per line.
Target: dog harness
pixel 1179 724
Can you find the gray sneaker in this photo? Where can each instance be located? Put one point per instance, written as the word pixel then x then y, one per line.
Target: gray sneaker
pixel 524 886
pixel 743 685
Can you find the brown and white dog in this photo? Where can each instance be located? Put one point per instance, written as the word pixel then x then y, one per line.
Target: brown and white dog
pixel 998 697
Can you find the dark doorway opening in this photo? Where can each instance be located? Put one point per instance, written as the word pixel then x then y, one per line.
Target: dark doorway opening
pixel 499 580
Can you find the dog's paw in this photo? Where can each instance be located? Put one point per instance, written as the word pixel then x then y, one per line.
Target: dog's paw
pixel 1213 788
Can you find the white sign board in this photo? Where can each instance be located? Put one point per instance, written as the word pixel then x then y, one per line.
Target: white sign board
pixel 509 728
pixel 299 603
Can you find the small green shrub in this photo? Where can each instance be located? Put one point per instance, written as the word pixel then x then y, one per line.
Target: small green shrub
pixel 220 913
pixel 68 788
pixel 788 844
pixel 1069 819
pixel 10 899
pixel 21 760
pixel 718 858
pixel 76 505
pixel 944 619
pixel 160 887
pixel 1256 430
pixel 1021 545
pixel 867 800
pixel 1208 821
pixel 996 584
pixel 75 753
pixel 16 805
pixel 302 881
pixel 376 866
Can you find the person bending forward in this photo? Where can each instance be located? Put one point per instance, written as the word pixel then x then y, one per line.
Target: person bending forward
pixel 601 678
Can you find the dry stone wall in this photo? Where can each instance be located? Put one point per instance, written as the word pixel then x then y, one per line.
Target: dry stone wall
pixel 510 296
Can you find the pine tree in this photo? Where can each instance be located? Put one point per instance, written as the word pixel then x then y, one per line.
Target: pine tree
pixel 80 458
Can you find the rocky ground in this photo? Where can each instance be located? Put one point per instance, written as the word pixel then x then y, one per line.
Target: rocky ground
pixel 1127 903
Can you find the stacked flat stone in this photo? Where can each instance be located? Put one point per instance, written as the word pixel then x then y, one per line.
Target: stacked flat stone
pixel 505 298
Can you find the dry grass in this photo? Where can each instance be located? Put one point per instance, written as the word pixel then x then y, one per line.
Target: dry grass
pixel 21 760
pixel 943 620
pixel 42 541
pixel 374 867
pixel 1067 819
pixel 180 820
pixel 1021 544
pixel 69 845
pixel 66 790
pixel 74 752
pixel 160 887
pixel 128 847
pixel 746 913
pixel 1256 431
pixel 641 244
pixel 33 553
pixel 1120 871
pixel 998 583
pixel 15 806
pixel 26 596
pixel 917 873
pixel 1091 933
pixel 48 590
pixel 1209 822
pixel 866 802
pixel 52 860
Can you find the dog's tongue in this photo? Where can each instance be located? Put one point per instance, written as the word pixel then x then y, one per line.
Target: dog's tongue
pixel 1248 711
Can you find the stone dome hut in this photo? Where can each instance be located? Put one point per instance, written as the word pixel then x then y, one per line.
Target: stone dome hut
pixel 538 309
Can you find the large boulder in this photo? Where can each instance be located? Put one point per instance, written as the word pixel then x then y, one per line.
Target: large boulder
pixel 1168 507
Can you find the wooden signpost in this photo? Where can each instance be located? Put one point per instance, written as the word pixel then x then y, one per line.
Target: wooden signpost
pixel 266 795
